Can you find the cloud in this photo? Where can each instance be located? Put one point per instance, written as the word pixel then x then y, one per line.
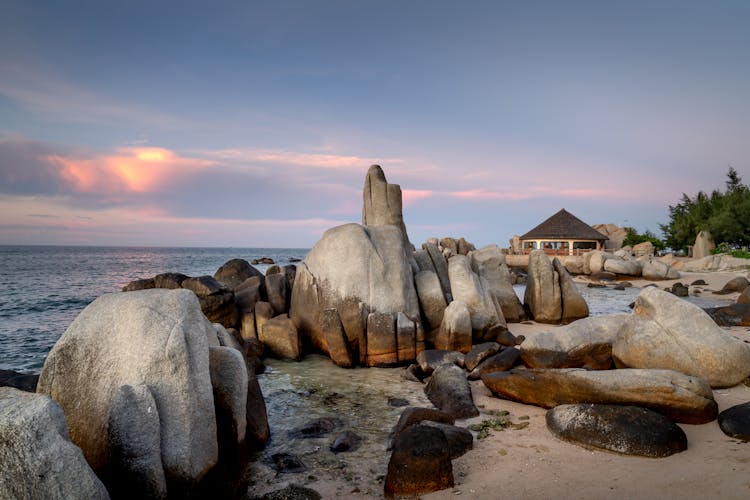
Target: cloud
pixel 411 196
pixel 310 160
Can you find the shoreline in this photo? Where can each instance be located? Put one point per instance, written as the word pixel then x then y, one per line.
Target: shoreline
pixel 531 463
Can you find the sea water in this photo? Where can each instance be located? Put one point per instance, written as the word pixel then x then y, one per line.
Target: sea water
pixel 42 289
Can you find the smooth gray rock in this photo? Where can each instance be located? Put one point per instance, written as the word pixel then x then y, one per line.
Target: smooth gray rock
pixel 441 268
pixel 257 430
pixel 543 296
pixel 455 333
pixel 468 287
pixel 356 270
pixel 489 263
pixel 155 337
pixel 629 430
pixel 431 298
pixel 622 266
pixel 574 306
pixel 667 332
pixel 655 270
pixel 229 382
pixel 135 443
pixel 449 391
pixel 460 440
pixel 704 244
pixel 37 459
pixel 583 343
pixel 276 290
pixel 500 362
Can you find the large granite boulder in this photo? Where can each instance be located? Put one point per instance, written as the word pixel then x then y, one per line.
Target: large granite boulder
pixel 574 306
pixel 583 343
pixel 667 332
pixel 216 300
pixel 629 430
pixel 440 264
pixel 158 338
pixel 738 284
pixel 229 379
pixel 382 349
pixel 382 202
pixel 232 273
pixel 655 270
pixel 469 288
pixel 680 397
pixel 37 459
pixel 455 331
pixel 704 244
pixel 542 296
pixel 489 263
pixel 420 463
pixel 281 338
pixel 551 295
pixel 414 415
pixel 357 270
pixel 644 249
pixel 622 266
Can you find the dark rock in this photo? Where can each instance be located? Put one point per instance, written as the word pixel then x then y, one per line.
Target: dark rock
pixel 744 297
pixel 262 260
pixel 234 272
pixel 738 284
pixel 596 285
pixel 216 300
pixel 22 381
pixel 203 286
pixel 680 290
pixel 500 362
pixel 171 281
pixel 276 291
pixel 397 402
pixel 346 441
pixel 413 373
pixel 292 492
pixel 449 390
pixel 274 269
pixel 731 315
pixel 250 292
pixel 629 430
pixel 430 359
pixel 460 440
pixel 698 283
pixel 316 428
pixel 479 353
pixel 735 421
pixel 142 284
pixel 420 463
pixel 294 259
pixel 412 416
pixel 603 276
pixel 287 462
pixel 280 337
pixel 258 431
pixel 502 336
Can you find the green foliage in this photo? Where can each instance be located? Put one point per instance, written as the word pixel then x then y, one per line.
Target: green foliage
pixel 633 238
pixel 726 215
pixel 725 248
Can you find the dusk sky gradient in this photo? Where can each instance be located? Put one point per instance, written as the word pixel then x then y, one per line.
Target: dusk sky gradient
pixel 253 123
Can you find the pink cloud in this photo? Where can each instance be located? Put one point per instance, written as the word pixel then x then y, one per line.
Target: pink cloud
pixel 315 160
pixel 411 196
pixel 482 194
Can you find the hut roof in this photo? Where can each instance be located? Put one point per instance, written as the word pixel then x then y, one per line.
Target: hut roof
pixel 564 225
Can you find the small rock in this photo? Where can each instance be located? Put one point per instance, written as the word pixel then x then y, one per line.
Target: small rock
pixel 430 359
pixel 292 492
pixel 420 463
pixel 735 421
pixel 316 428
pixel 397 402
pixel 479 353
pixel 287 462
pixel 346 441
pixel 449 390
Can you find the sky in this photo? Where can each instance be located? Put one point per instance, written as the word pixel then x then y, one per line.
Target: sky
pixel 253 123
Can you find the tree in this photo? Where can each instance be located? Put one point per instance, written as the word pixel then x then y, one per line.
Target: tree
pixel 726 215
pixel 633 238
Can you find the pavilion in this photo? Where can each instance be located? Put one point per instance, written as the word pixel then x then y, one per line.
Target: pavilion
pixel 563 234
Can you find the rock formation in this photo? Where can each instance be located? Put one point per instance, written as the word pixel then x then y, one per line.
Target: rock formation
pixel 704 244
pixel 382 202
pixel 551 295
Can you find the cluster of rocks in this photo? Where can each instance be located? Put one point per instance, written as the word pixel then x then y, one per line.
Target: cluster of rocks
pixel 154 403
pixel 737 313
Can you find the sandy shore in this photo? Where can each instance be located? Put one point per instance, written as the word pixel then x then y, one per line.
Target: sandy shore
pixel 531 463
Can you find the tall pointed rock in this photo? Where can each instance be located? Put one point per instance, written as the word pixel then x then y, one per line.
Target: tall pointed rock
pixel 382 202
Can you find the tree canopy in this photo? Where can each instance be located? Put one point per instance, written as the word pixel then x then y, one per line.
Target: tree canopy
pixel 725 214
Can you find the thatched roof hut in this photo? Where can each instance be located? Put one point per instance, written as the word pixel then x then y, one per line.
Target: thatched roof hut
pixel 563 234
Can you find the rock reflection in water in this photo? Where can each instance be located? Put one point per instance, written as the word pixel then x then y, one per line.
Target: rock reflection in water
pixel 357 400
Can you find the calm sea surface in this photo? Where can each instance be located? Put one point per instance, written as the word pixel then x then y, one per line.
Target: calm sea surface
pixel 42 289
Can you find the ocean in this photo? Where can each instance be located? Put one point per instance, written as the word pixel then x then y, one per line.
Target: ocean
pixel 45 287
